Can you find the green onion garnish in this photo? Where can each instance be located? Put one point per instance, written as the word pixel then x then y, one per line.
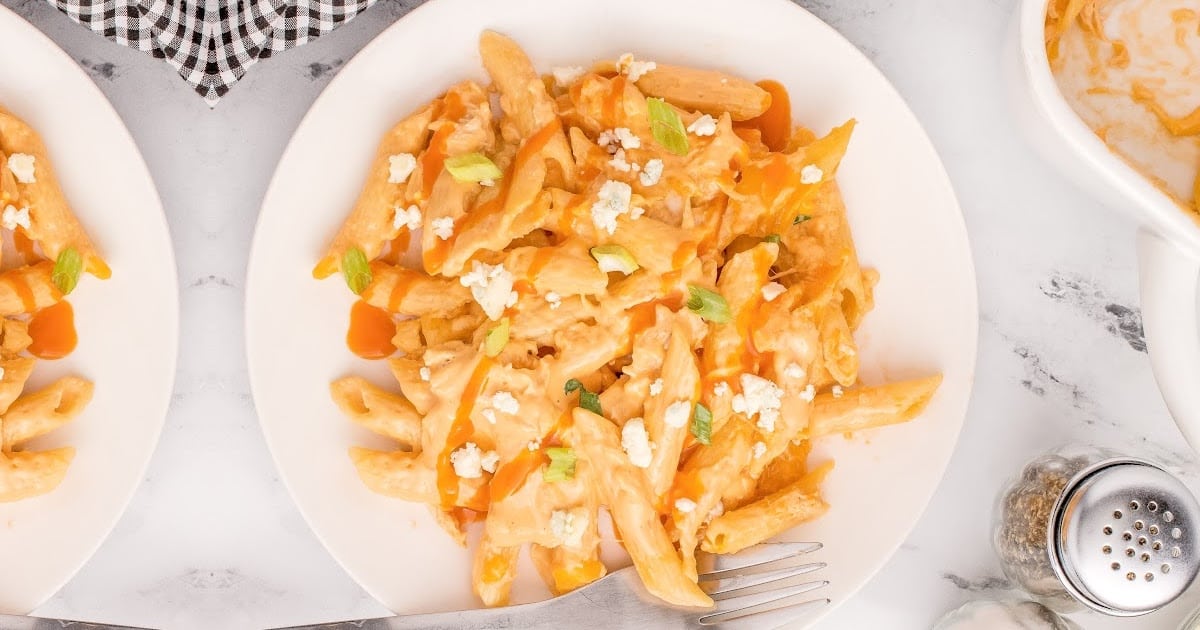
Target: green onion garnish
pixel 702 424
pixel 587 400
pixel 666 126
pixel 472 167
pixel 708 304
pixel 562 464
pixel 801 218
pixel 356 269
pixel 614 258
pixel 66 270
pixel 772 238
pixel 496 338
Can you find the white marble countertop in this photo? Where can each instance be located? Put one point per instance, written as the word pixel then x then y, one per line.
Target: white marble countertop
pixel 212 539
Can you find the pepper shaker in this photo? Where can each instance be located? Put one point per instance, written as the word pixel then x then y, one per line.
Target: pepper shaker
pixel 1085 527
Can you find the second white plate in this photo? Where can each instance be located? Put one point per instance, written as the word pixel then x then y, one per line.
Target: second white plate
pixel 128 325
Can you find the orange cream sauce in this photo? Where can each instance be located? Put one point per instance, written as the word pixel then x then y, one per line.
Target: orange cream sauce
pixel 1131 70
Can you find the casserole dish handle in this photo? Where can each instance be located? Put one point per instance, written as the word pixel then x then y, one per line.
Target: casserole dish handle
pixel 1170 281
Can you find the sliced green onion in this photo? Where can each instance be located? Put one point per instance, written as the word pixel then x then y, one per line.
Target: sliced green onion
pixel 801 218
pixel 356 269
pixel 772 238
pixel 708 304
pixel 591 402
pixel 667 127
pixel 562 464
pixel 587 400
pixel 472 167
pixel 614 258
pixel 702 424
pixel 66 270
pixel 496 339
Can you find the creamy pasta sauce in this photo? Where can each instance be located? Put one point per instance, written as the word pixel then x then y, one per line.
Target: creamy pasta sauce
pixel 1131 70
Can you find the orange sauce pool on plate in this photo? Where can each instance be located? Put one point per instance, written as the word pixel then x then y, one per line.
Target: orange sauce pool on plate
pixel 370 333
pixel 53 331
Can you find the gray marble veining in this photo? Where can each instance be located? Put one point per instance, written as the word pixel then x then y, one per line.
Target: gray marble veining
pixel 212 540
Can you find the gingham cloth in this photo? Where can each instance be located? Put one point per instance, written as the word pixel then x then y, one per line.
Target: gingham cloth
pixel 211 43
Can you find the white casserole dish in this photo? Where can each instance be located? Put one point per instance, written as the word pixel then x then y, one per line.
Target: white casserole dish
pixel 1169 240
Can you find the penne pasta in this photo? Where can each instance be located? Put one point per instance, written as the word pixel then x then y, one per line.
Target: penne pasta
pixel 371 221
pixel 27 289
pixel 29 474
pixel 769 516
pixel 14 337
pixel 41 412
pixel 493 572
pixel 16 371
pixel 785 469
pixel 703 480
pixel 51 252
pixel 52 224
pixel 410 292
pixel 628 500
pixel 396 474
pixel 636 293
pixel 415 387
pixel 707 91
pixel 378 411
pixel 670 412
pixel 871 407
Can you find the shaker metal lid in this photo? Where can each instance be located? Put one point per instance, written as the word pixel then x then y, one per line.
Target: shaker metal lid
pixel 1125 537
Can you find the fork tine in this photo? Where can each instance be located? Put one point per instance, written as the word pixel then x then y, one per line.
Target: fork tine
pixel 737 607
pixel 770 619
pixel 740 585
pixel 742 562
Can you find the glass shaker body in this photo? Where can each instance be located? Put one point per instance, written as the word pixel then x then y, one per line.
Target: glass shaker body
pixel 1021 522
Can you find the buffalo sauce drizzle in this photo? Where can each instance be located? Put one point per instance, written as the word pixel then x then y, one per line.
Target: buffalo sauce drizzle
pixel 751 317
pixel 512 475
pixel 686 251
pixel 25 247
pixel 404 284
pixel 540 259
pixel 461 430
pixel 19 283
pixel 613 109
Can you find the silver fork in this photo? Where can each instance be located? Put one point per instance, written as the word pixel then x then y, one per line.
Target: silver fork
pixel 761 587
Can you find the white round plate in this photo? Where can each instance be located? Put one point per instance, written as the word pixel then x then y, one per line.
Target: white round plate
pixel 128 325
pixel 901 206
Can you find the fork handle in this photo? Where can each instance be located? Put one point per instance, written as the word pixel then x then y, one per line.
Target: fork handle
pixel 584 608
pixel 525 616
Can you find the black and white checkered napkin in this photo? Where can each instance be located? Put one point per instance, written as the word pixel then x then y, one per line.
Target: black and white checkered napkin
pixel 211 43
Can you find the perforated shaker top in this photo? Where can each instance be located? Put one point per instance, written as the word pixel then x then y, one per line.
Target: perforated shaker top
pixel 1126 539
